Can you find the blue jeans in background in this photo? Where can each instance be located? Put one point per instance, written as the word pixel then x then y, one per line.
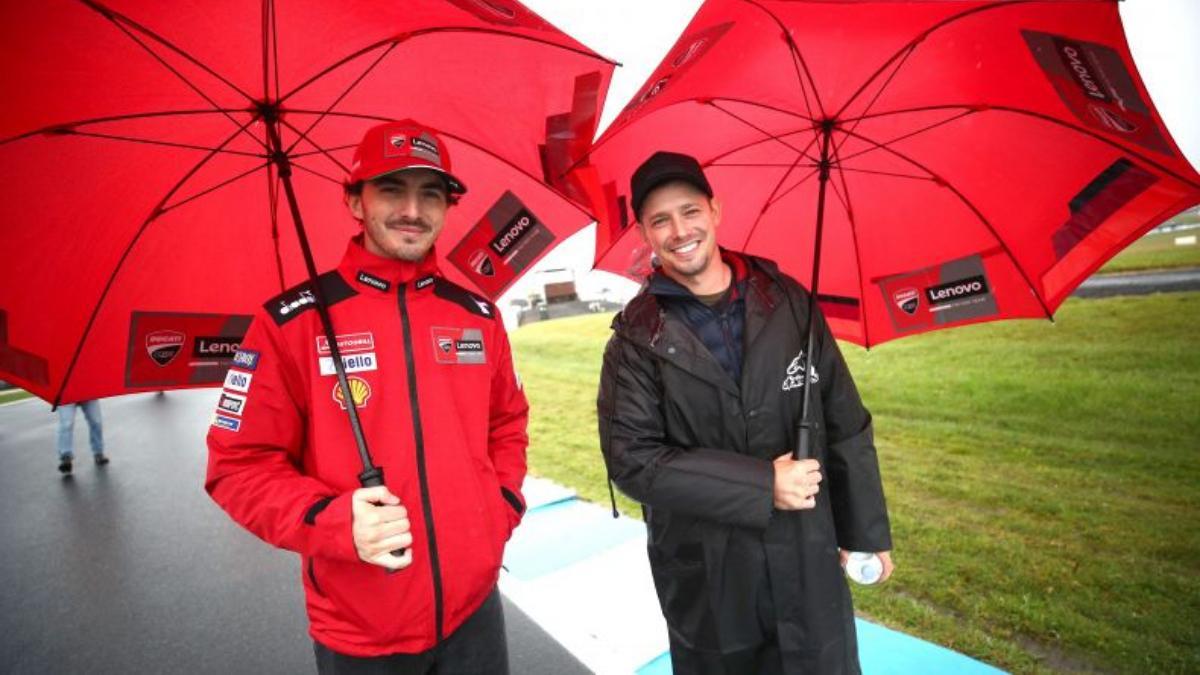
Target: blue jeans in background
pixel 66 428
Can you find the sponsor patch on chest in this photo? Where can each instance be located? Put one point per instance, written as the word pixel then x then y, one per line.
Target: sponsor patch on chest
pixel 458 346
pixel 353 363
pixel 793 378
pixel 352 343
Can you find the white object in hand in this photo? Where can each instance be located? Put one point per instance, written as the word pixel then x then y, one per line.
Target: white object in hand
pixel 864 568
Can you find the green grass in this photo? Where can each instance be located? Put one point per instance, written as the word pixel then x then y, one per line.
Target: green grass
pixel 10 395
pixel 1156 251
pixel 1043 479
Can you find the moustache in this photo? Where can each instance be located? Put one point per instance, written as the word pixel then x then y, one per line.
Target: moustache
pixel 409 222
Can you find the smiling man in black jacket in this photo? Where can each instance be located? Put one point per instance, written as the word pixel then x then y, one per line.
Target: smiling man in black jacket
pixel 700 396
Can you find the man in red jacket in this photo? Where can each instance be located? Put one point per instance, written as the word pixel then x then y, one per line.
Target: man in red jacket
pixel 430 371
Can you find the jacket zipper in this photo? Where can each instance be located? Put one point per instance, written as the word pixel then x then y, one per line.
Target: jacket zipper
pixel 422 476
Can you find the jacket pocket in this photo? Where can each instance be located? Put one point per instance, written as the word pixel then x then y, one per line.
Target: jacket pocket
pixel 312 576
pixel 683 595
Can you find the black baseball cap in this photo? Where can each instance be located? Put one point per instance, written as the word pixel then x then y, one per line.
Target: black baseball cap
pixel 663 167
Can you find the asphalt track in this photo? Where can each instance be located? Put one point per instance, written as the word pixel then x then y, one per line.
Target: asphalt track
pixel 1140 283
pixel 132 569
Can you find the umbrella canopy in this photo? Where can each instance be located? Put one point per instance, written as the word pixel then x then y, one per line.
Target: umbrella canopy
pixel 141 146
pixel 968 160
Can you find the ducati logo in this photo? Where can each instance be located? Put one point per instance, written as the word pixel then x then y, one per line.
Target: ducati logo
pixel 164 345
pixel 907 299
pixel 689 52
pixel 397 140
pixel 445 343
pixel 481 263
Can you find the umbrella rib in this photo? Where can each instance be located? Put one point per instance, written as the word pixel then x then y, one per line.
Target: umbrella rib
pixel 862 289
pixel 429 31
pixel 120 20
pixel 318 174
pixel 777 198
pixel 906 136
pixel 303 135
pixel 751 165
pixel 978 214
pixel 766 207
pixel 214 188
pixel 614 131
pixel 369 69
pixel 154 214
pixel 1045 118
pixel 768 135
pixel 68 127
pixel 889 174
pixel 273 211
pixel 875 99
pixel 764 106
pixel 313 153
pixel 151 141
pixel 265 19
pixel 798 61
pixel 915 42
pixel 473 145
pixel 751 144
pixel 275 46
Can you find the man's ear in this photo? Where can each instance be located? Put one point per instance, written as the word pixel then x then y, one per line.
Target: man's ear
pixel 642 231
pixel 716 209
pixel 354 203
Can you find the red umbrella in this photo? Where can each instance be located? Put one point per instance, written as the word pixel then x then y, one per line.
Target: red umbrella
pixel 958 161
pixel 155 159
pixel 921 164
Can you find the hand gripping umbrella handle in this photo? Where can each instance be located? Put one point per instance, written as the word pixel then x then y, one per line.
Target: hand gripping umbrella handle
pixel 373 477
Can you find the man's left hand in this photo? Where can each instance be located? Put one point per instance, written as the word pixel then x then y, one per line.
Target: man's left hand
pixel 885 557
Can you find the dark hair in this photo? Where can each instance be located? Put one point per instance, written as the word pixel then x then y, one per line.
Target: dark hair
pixel 355 190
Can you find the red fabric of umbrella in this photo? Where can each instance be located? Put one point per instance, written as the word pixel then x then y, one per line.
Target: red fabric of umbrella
pixel 969 161
pixel 139 181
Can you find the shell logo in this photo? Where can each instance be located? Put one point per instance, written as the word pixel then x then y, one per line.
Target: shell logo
pixel 360 392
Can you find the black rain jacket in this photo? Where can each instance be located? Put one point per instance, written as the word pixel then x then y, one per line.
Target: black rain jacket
pixel 695 448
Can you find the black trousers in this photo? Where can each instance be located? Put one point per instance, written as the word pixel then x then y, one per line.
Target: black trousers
pixel 764 659
pixel 478 646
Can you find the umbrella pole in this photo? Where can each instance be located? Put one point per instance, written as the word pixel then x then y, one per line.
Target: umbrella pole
pixel 371 475
pixel 804 448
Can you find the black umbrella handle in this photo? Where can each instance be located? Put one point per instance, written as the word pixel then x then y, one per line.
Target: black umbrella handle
pixel 804 436
pixel 373 477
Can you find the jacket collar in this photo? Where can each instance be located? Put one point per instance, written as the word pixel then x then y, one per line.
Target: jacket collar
pixel 365 270
pixel 644 320
pixel 664 286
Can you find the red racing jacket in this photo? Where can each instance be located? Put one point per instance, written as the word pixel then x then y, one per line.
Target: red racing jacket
pixel 430 369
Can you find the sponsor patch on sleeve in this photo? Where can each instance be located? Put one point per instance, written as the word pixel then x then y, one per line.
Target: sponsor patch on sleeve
pixel 226 422
pixel 236 380
pixel 231 403
pixel 246 359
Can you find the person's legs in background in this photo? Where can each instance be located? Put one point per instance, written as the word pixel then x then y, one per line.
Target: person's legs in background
pixel 66 437
pixel 91 412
